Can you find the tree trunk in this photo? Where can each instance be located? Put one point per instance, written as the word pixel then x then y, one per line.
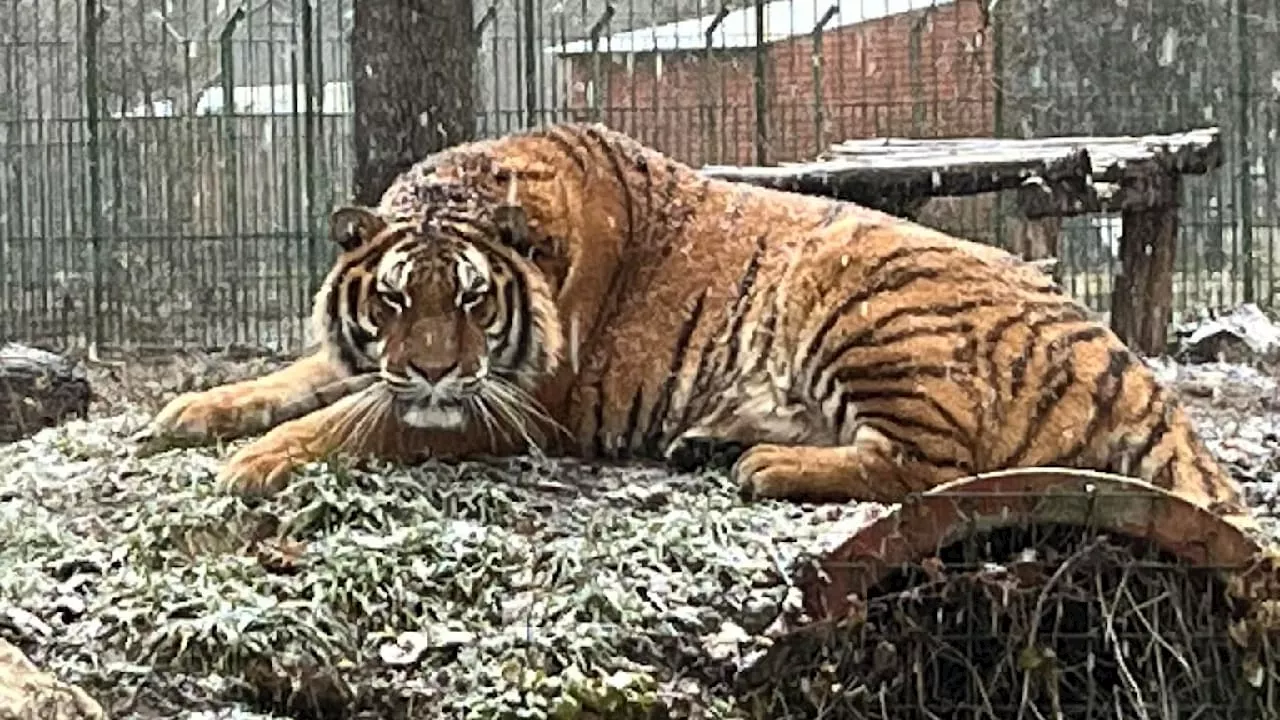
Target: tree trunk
pixel 37 390
pixel 413 82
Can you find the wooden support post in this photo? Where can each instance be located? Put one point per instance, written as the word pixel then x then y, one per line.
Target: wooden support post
pixel 1036 238
pixel 1142 298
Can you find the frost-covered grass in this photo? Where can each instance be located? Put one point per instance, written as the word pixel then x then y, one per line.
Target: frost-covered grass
pixel 473 590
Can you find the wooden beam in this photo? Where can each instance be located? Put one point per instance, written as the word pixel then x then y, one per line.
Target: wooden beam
pixel 1056 176
pixel 899 182
pixel 1194 152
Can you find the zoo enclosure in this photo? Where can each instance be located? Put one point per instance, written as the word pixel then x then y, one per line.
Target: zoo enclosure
pixel 139 209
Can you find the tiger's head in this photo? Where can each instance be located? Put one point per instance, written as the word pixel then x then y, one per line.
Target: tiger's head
pixel 455 321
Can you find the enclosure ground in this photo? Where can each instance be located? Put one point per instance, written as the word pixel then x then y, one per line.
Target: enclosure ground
pixel 521 589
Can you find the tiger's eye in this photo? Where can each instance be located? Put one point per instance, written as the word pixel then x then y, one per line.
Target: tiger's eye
pixel 482 309
pixel 469 297
pixel 393 300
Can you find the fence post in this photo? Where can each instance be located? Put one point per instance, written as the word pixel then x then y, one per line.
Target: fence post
pixel 93 129
pixel 914 40
pixel 477 33
pixel 1243 129
pixel 762 102
pixel 530 65
pixel 309 132
pixel 231 168
pixel 709 122
pixel 995 26
pixel 819 111
pixel 596 29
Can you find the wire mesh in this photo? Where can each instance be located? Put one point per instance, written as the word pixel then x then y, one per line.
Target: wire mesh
pixel 142 209
pixel 1029 621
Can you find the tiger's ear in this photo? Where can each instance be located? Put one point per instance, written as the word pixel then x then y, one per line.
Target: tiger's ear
pixel 352 226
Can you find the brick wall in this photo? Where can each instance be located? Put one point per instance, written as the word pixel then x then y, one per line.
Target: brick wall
pixel 924 73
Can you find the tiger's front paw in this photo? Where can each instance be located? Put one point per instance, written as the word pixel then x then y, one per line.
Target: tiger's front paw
pixel 262 468
pixel 768 471
pixel 196 418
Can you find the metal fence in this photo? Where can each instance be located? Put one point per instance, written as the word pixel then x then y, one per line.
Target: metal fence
pixel 167 167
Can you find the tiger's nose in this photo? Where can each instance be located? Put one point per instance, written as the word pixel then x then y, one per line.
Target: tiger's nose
pixel 433 373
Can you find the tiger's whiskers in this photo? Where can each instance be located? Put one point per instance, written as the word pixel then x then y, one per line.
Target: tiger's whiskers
pixel 517 409
pixel 369 409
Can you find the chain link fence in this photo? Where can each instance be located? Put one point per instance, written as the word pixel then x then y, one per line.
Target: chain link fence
pixel 168 165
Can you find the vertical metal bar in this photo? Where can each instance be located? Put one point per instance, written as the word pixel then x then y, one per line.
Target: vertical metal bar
pixel 296 226
pixel 540 61
pixel 530 65
pixel 231 174
pixel 567 68
pixel 197 324
pixel 761 88
pixel 116 158
pixel 552 64
pixel 662 132
pixel 914 39
pixel 630 120
pixel 289 166
pixel 38 242
pixel 819 106
pixel 92 24
pixel 1271 125
pixel 1244 104
pixel 60 224
pixel 8 203
pixel 495 59
pixel 596 89
pixel 708 61
pixel 477 37
pixel 20 88
pixel 310 81
pixel 995 24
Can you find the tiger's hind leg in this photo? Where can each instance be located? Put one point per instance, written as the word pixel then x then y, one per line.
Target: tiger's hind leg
pixel 870 469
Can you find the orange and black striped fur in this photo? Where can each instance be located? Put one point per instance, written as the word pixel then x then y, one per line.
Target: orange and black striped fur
pixel 570 288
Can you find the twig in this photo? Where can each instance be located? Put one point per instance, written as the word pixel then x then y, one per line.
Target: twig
pixel 1109 632
pixel 1155 635
pixel 1057 575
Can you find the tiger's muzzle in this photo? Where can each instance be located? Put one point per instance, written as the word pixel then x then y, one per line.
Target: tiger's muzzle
pixel 434 397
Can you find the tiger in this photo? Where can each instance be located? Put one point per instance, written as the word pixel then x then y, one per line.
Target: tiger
pixel 572 291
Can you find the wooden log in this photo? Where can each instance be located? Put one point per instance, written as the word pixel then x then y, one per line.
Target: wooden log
pixel 899 182
pixel 1142 297
pixel 38 389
